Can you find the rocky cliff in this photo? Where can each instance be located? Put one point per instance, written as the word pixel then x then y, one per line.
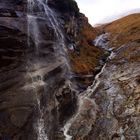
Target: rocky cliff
pixel 35 95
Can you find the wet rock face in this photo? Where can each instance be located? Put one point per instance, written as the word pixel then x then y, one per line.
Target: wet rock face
pixel 84 119
pixel 67 103
pixel 15 109
pixel 13 47
pixel 20 70
pixel 30 77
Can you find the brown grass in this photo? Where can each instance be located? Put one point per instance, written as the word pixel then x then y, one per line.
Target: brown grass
pixel 87 59
pixel 124 30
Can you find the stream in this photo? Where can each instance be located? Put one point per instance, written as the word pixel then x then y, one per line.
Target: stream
pixel 38 13
pixel 85 102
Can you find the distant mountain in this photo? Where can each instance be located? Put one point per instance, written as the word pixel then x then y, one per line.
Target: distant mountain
pixel 116 17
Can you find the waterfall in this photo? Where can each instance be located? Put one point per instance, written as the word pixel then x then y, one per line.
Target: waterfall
pixel 102 41
pixel 34 32
pixel 66 129
pixel 85 97
pixel 38 11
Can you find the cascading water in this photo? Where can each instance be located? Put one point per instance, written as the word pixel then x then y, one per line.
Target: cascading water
pixel 102 41
pixel 85 97
pixel 38 11
pixel 33 31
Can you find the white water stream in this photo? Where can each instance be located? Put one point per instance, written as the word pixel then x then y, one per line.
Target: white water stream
pixel 85 96
pixel 38 10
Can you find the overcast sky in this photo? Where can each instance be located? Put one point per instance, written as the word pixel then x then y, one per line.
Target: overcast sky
pixel 102 11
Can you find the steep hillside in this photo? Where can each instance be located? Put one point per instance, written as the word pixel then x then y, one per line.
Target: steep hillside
pixel 124 30
pixel 87 56
pixel 84 56
pixel 110 108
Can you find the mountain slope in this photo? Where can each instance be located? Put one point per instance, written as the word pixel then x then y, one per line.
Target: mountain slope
pixel 110 108
pixel 124 30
